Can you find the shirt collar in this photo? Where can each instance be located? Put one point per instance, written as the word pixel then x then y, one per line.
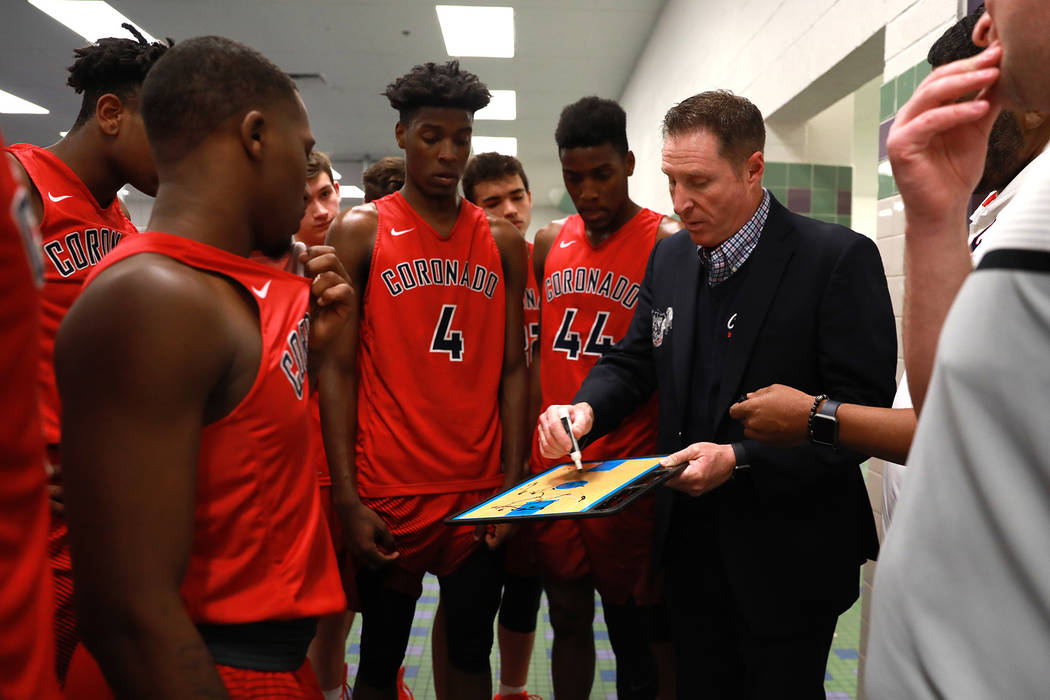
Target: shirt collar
pixel 721 262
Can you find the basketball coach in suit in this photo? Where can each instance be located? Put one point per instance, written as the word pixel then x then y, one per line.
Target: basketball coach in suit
pixel 761 546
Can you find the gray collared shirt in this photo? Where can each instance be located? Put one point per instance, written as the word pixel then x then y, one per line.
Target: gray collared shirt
pixel 722 261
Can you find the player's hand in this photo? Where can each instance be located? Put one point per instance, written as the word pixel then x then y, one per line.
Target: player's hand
pixel 370 538
pixel 554 441
pixel 494 534
pixel 710 466
pixel 776 415
pixel 330 294
pixel 939 139
pixel 54 487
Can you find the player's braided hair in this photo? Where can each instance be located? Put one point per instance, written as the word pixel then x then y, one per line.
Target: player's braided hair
pixel 112 65
pixel 436 85
pixel 592 121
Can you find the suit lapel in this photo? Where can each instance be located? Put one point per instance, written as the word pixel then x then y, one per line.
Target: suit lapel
pixel 687 276
pixel 766 267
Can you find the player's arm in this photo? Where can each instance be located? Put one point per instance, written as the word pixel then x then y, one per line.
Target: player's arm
pixel 778 415
pixel 23 177
pixel 352 236
pixel 514 381
pixel 541 248
pixel 138 359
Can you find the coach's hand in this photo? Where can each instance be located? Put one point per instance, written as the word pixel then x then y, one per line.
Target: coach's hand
pixel 330 295
pixel 554 441
pixel 710 466
pixel 494 534
pixel 370 538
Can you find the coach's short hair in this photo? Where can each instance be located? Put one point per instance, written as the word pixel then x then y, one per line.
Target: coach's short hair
pixel 592 121
pixel 385 176
pixel 199 83
pixel 733 119
pixel 486 167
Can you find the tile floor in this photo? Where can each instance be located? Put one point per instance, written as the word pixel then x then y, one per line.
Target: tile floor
pixel 840 681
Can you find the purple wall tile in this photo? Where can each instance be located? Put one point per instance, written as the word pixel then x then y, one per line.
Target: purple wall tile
pixel 844 203
pixel 799 199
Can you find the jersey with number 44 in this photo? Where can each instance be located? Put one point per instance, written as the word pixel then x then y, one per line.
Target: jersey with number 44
pixel 588 295
pixel 430 356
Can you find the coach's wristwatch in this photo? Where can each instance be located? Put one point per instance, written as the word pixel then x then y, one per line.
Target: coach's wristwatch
pixel 824 424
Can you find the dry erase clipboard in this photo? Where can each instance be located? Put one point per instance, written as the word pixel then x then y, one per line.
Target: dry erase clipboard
pixel 601 488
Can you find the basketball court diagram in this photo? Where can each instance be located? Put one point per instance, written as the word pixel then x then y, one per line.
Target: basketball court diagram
pixel 566 492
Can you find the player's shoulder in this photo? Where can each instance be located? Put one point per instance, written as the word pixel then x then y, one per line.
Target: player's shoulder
pixel 354 229
pixel 509 241
pixel 667 226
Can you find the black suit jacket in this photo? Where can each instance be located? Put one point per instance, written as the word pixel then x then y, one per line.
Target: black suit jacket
pixel 813 313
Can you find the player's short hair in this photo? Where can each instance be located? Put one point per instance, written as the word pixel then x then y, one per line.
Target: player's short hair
pixel 436 85
pixel 385 176
pixel 318 162
pixel 201 82
pixel 734 120
pixel 592 121
pixel 112 66
pixel 486 167
pixel 957 41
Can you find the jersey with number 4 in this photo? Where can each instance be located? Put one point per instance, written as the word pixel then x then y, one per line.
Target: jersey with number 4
pixel 589 294
pixel 430 356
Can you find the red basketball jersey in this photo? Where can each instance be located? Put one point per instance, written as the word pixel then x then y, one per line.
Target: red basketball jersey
pixel 531 305
pixel 27 661
pixel 261 548
pixel 77 233
pixel 430 357
pixel 589 294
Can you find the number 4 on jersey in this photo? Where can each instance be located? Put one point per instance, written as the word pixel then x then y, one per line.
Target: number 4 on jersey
pixel 446 339
pixel 568 340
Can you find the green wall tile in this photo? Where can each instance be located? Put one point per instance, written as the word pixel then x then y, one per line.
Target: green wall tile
pixel 888 100
pixel 824 201
pixel 825 176
pixel 845 179
pixel 775 175
pixel 887 186
pixel 846 221
pixel 922 69
pixel 780 193
pixel 800 175
pixel 828 218
pixel 905 86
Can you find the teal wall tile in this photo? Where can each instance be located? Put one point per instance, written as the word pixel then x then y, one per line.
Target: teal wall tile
pixel 887 100
pixel 800 175
pixel 846 221
pixel 775 175
pixel 825 176
pixel 824 201
pixel 905 86
pixel 887 186
pixel 922 69
pixel 780 193
pixel 845 179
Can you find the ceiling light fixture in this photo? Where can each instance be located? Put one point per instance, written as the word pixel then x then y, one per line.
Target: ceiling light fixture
pixel 504 106
pixel 336 175
pixel 13 104
pixel 351 192
pixel 477 31
pixel 507 145
pixel 91 19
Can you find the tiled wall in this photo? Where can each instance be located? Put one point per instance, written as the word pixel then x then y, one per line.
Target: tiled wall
pixel 823 192
pixel 893 96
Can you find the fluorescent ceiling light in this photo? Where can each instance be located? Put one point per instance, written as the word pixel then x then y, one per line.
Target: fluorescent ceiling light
pixel 504 106
pixel 477 31
pixel 351 192
pixel 91 19
pixel 336 175
pixel 62 134
pixel 13 104
pixel 507 145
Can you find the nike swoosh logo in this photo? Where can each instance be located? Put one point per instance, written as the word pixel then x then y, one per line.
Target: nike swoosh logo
pixel 261 293
pixel 53 198
pixel 394 232
pixel 565 244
